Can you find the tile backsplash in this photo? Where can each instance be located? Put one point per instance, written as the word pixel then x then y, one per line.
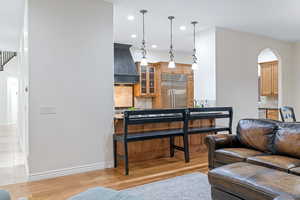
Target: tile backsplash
pixel 143 103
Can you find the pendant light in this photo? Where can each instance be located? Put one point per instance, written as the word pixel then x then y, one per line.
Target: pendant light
pixel 144 61
pixel 171 52
pixel 195 64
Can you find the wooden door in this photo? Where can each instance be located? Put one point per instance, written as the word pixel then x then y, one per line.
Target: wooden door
pixel 146 87
pixel 269 78
pixel 151 80
pixel 266 79
pixel 272 114
pixel 275 78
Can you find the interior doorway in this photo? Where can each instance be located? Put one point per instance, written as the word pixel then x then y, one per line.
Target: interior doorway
pixel 12 154
pixel 268 84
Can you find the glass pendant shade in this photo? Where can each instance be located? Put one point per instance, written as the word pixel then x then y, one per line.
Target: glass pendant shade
pixel 144 62
pixel 194 66
pixel 172 64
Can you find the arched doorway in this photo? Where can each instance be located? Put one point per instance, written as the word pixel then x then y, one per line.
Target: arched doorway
pixel 268 84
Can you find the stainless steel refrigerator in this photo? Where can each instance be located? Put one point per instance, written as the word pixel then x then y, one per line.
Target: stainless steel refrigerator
pixel 174 90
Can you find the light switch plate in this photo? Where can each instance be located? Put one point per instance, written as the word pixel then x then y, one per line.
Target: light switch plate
pixel 47 110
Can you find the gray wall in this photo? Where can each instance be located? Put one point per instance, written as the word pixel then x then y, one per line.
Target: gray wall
pixel 236 71
pixel 71 73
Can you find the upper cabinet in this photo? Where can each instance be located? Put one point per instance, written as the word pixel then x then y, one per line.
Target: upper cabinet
pixel 269 78
pixel 147 84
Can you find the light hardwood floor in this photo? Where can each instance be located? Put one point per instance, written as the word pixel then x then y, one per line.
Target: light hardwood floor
pixel 140 173
pixel 12 159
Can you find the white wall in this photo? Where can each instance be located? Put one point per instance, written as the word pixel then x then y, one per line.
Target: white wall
pixel 205 76
pixel 22 127
pixel 236 61
pixel 71 73
pixel 11 70
pixel 296 79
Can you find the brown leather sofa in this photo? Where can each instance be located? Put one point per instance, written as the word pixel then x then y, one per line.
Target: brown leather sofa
pixel 266 143
pixel 245 181
pixel 260 162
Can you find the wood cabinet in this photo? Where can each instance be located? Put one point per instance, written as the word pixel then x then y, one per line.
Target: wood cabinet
pixel 147 84
pixel 272 114
pixel 269 78
pixel 275 78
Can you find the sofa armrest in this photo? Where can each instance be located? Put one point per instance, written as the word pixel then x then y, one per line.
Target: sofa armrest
pixel 214 142
pixel 284 197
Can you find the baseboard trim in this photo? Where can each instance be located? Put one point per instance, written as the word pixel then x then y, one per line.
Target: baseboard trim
pixel 69 171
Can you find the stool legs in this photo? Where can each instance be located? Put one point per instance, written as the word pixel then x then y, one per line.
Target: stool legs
pixel 115 153
pixel 172 139
pixel 186 148
pixel 126 158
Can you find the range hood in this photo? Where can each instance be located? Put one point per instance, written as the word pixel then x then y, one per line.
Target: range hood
pixel 124 67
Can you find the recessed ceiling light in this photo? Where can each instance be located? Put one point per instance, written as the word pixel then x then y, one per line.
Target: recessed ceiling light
pixel 130 17
pixel 133 35
pixel 183 28
pixel 154 46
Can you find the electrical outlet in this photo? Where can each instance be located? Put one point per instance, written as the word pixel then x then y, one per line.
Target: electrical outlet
pixel 47 110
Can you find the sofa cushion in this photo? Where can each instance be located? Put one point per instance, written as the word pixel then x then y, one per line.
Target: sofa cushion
pixel 253 182
pixel 287 140
pixel 232 155
pixel 257 133
pixel 295 170
pixel 282 163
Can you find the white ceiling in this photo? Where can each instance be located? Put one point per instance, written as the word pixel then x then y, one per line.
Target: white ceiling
pixel 279 19
pixel 11 21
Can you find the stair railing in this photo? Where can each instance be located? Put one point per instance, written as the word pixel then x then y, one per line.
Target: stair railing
pixel 5 57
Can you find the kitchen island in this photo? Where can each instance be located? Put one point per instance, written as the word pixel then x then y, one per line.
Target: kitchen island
pixel 158 148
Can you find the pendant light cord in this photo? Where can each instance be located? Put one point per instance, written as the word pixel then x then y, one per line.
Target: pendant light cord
pixel 194 36
pixel 171 52
pixel 171 38
pixel 144 52
pixel 143 27
pixel 194 49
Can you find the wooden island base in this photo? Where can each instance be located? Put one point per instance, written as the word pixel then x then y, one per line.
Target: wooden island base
pixel 159 148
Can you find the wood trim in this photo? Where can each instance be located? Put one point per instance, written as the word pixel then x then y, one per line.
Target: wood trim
pixel 269 62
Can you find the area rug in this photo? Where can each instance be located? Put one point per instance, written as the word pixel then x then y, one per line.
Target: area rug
pixel 193 186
